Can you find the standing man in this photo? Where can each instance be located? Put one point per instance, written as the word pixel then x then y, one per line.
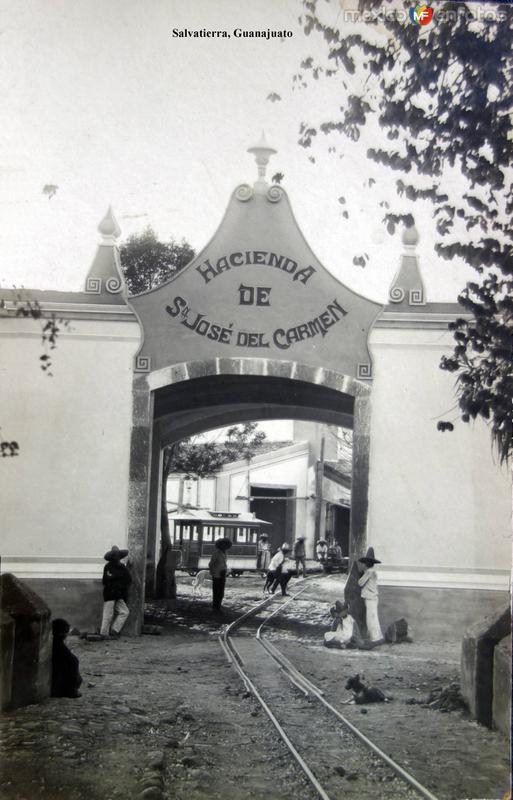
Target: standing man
pixel 369 586
pixel 116 580
pixel 218 569
pixel 263 553
pixel 300 555
pixel 322 551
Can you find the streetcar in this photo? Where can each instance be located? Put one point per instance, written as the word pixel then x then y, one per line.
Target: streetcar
pixel 196 531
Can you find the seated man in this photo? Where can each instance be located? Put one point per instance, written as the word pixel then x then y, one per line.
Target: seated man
pixel 343 629
pixel 66 678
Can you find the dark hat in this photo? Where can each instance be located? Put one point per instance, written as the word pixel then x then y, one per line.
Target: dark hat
pixel 369 558
pixel 223 544
pixel 114 553
pixel 263 536
pixel 60 628
pixel 339 607
pixel 300 539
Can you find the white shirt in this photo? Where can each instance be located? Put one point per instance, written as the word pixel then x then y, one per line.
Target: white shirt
pixel 280 558
pixel 344 632
pixel 369 584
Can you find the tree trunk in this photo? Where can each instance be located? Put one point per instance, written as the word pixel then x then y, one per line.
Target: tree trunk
pixel 165 588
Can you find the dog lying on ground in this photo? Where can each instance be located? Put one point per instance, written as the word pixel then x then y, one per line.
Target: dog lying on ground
pixel 365 694
pixel 201 581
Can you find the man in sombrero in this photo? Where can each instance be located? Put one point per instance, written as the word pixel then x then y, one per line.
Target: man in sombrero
pixel 369 586
pixel 116 580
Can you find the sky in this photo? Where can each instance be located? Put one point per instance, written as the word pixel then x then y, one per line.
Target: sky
pixel 100 100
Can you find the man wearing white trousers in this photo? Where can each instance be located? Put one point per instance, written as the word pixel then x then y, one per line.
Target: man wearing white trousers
pixel 116 580
pixel 369 586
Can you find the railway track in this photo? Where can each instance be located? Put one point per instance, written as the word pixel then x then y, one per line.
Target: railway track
pixel 337 760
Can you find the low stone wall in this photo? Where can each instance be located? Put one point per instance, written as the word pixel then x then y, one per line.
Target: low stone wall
pixel 501 708
pixel 79 601
pixel 477 663
pixel 438 614
pixel 28 668
pixel 6 658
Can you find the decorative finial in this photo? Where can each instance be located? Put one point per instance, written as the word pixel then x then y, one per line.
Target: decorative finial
pixel 262 152
pixel 410 237
pixel 109 228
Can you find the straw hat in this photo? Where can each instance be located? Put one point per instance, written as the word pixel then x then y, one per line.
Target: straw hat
pixel 369 558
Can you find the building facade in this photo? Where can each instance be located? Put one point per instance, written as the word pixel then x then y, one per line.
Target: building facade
pixel 253 328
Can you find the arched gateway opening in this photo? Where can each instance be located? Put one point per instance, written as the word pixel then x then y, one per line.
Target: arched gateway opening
pixel 259 390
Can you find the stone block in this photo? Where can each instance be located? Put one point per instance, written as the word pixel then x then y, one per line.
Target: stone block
pixel 6 658
pixel 279 369
pixel 31 665
pixel 477 655
pixel 139 453
pixel 501 709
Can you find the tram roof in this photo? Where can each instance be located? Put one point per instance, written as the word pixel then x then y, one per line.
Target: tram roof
pixel 216 517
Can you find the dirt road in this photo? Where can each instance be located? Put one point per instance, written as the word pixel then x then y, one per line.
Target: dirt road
pixel 166 717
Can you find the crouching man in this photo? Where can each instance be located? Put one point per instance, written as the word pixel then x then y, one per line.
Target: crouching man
pixel 344 630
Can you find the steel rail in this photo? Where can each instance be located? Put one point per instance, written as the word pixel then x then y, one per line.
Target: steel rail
pixel 237 662
pixel 282 660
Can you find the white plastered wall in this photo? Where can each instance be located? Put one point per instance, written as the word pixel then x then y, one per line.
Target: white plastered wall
pixel 439 503
pixel 288 466
pixel 64 498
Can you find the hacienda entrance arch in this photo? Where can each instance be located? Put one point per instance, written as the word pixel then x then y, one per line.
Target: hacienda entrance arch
pixel 202 398
pixel 253 328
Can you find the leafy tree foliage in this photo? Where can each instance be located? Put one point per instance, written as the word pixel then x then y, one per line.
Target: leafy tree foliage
pixel 197 459
pixel 148 262
pixel 442 95
pixel 205 459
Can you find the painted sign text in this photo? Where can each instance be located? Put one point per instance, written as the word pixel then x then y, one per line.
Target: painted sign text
pixel 210 269
pixel 281 337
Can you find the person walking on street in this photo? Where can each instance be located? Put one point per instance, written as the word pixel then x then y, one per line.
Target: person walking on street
pixel 116 581
pixel 369 586
pixel 300 555
pixel 218 569
pixel 281 567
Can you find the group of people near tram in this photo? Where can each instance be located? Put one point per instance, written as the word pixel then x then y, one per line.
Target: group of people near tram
pixel 289 561
pixel 278 568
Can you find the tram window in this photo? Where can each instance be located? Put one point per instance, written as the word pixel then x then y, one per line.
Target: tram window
pixel 186 533
pixel 176 534
pixel 208 533
pixel 195 533
pixel 241 534
pixel 253 536
pixel 229 533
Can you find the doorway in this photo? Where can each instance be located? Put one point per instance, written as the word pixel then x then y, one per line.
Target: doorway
pixel 275 505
